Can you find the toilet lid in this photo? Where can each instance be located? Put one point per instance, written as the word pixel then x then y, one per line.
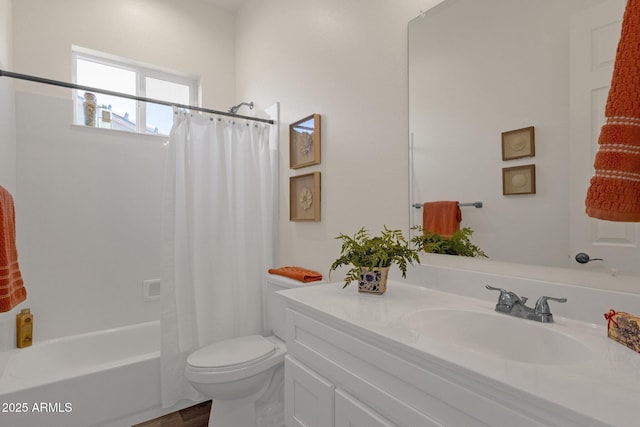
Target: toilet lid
pixel 232 352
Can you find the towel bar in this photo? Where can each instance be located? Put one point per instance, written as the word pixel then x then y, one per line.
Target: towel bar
pixel 474 204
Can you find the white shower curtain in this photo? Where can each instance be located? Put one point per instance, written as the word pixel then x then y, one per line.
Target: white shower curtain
pixel 219 223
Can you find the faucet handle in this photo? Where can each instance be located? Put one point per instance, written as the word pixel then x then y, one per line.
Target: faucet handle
pixel 543 308
pixel 506 298
pixel 491 288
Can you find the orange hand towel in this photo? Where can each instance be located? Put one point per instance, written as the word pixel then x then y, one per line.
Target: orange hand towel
pixel 441 218
pixel 614 191
pixel 12 291
pixel 297 273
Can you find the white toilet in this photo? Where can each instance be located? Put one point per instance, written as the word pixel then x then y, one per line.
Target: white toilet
pixel 241 374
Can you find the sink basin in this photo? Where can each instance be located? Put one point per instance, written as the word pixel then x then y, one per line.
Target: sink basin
pixel 497 335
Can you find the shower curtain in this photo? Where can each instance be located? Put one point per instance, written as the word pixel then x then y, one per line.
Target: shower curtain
pixel 219 224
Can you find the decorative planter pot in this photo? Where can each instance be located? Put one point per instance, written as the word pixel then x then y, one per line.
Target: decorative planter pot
pixel 373 280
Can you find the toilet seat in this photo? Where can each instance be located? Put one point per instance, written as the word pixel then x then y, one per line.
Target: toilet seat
pixel 235 358
pixel 232 353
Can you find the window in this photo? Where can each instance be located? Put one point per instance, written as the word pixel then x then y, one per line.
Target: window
pixel 102 71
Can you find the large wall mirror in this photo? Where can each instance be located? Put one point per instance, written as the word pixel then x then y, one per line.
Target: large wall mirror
pixel 479 69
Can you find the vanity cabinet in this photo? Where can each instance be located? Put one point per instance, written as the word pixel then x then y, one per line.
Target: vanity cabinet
pixel 340 374
pixel 326 381
pixel 315 402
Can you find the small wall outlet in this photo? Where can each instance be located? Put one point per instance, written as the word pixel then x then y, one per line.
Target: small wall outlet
pixel 151 290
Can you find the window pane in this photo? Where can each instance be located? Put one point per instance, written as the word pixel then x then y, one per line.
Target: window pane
pixel 160 117
pixel 101 76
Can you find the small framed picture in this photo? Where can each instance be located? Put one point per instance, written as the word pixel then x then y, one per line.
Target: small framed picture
pixel 519 180
pixel 304 142
pixel 304 197
pixel 518 143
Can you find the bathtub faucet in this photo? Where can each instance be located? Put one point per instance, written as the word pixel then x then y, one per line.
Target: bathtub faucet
pixel 513 305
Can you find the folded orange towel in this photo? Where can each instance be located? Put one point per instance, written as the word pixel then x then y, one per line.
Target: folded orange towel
pixel 614 191
pixel 297 273
pixel 441 218
pixel 12 291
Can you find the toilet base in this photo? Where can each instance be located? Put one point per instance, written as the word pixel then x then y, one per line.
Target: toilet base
pixel 264 408
pixel 233 413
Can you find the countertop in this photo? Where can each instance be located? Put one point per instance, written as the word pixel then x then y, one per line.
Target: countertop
pixel 604 385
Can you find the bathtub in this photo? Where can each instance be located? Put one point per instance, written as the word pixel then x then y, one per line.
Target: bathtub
pixel 103 378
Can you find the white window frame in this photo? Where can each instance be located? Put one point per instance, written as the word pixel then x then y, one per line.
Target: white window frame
pixel 142 71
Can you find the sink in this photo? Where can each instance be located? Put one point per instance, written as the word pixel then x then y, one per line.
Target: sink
pixel 497 335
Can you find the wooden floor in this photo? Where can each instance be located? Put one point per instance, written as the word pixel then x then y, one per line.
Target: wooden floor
pixel 193 416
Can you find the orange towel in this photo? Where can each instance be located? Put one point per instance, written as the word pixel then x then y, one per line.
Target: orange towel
pixel 614 191
pixel 297 273
pixel 441 218
pixel 12 291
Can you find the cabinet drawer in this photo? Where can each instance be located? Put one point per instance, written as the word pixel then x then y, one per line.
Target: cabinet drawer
pixel 350 412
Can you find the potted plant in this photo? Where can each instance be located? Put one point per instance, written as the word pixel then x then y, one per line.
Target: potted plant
pixel 371 257
pixel 459 243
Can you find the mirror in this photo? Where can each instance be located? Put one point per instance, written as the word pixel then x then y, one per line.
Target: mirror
pixel 476 71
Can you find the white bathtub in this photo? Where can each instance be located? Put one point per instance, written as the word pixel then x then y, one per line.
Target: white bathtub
pixel 104 378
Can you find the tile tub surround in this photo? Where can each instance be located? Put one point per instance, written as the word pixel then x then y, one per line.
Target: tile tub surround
pixel 601 389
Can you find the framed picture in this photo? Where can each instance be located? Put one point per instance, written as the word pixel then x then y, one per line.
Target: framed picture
pixel 304 197
pixel 519 180
pixel 518 143
pixel 304 142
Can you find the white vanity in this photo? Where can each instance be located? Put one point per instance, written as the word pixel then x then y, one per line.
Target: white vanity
pixel 417 356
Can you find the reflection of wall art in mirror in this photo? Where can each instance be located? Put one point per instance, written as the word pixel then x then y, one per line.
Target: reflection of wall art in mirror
pixel 519 180
pixel 518 143
pixel 304 197
pixel 304 142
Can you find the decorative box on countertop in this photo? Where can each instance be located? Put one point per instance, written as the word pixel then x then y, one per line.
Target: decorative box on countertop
pixel 624 328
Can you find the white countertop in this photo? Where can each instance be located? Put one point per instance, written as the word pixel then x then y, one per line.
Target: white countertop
pixel 604 385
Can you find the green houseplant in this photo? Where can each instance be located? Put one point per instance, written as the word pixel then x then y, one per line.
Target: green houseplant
pixel 371 256
pixel 459 243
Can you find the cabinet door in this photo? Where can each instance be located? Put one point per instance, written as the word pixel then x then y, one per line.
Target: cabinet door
pixel 352 413
pixel 308 398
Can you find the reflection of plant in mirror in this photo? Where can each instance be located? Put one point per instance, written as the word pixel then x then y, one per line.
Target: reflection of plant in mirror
pixel 459 243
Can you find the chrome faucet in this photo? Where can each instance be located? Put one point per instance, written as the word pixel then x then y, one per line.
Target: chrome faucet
pixel 512 304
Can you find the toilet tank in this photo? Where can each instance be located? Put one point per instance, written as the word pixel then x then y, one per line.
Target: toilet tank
pixel 275 305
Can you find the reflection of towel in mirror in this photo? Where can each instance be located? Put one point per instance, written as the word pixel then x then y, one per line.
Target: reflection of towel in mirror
pixel 441 218
pixel 12 291
pixel 614 193
pixel 297 273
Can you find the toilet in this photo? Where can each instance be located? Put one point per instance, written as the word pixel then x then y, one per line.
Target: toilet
pixel 244 376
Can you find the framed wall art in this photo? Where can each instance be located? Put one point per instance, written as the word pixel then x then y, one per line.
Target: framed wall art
pixel 519 180
pixel 304 197
pixel 518 143
pixel 304 142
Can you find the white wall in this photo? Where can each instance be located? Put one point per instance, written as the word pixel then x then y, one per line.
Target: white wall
pixel 7 110
pixel 186 36
pixel 346 61
pixel 89 201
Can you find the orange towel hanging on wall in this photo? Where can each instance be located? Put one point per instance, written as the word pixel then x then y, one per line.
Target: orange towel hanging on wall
pixel 614 191
pixel 441 218
pixel 12 291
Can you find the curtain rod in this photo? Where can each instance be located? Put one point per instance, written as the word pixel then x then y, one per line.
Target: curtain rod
pixel 124 95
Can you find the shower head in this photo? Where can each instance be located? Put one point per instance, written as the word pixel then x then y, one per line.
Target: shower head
pixel 235 108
